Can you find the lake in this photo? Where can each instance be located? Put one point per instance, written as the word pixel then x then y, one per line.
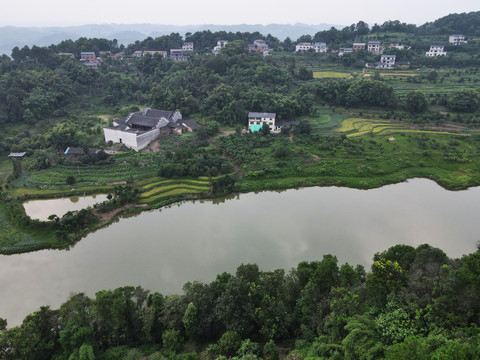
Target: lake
pixel 42 209
pixel 161 250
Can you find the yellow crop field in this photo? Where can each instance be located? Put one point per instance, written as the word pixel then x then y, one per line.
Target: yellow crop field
pixel 330 75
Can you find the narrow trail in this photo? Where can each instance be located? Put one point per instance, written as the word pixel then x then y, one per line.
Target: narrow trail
pixel 298 147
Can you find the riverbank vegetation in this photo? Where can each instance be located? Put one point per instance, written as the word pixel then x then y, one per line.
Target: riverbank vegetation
pixel 414 303
pixel 357 127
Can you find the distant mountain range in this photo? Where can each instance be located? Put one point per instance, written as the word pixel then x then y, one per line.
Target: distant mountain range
pixel 11 36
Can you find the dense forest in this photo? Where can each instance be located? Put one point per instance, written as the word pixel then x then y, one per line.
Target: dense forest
pixel 414 303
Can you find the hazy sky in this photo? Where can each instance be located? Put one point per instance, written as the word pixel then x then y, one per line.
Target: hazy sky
pixel 190 12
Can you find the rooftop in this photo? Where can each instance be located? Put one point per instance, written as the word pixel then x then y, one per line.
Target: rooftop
pixel 265 115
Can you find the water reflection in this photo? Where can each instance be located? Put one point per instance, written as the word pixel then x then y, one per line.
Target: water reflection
pixel 162 250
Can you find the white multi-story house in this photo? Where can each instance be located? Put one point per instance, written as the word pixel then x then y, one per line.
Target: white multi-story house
pixel 302 47
pixel 256 121
pixel 374 47
pixel 220 45
pixel 388 60
pixel 187 46
pixel 457 39
pixel 435 50
pixel 320 47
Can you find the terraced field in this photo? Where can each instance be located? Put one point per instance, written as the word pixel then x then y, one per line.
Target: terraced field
pixel 154 189
pixel 353 127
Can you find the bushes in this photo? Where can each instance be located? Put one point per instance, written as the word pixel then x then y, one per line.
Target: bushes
pixel 229 343
pixel 172 340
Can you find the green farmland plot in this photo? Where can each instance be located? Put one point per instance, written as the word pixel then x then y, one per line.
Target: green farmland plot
pixel 158 190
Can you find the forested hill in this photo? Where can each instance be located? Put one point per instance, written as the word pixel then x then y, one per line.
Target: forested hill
pixel 415 303
pixel 465 23
pixel 11 36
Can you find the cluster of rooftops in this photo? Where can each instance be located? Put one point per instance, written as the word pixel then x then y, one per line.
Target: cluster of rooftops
pixel 137 130
pixel 375 47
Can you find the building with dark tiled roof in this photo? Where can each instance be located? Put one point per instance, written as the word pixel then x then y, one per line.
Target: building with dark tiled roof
pixel 137 130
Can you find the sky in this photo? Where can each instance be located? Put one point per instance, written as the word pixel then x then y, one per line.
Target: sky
pixel 225 12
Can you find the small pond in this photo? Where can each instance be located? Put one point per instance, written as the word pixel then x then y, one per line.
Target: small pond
pixel 42 209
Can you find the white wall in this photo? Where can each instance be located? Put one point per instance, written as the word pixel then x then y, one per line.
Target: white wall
pixel 144 139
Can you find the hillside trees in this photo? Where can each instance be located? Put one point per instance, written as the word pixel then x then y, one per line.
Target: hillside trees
pixel 330 308
pixel 463 100
pixel 370 92
pixel 416 101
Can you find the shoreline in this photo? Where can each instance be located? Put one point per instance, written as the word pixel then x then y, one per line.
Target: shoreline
pixel 274 184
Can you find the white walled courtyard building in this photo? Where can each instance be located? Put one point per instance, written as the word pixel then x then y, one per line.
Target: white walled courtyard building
pixel 137 130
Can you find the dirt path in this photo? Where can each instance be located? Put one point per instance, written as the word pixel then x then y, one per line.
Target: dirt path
pixel 298 147
pixel 110 214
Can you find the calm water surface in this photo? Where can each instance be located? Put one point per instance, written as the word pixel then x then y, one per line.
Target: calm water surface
pixel 42 209
pixel 161 250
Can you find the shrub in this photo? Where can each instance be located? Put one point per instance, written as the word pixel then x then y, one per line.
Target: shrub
pixel 172 340
pixel 70 180
pixel 229 343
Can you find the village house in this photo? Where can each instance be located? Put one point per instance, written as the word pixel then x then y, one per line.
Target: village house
pixel 88 56
pixel 436 50
pixel 118 56
pixel 259 46
pixel 374 47
pixel 89 59
pixel 389 60
pixel 358 46
pixel 397 46
pixel 140 53
pixel 187 46
pixel 320 47
pixel 342 51
pixel 256 121
pixel 137 130
pixel 303 47
pixel 457 39
pixel 177 55
pixel 220 45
